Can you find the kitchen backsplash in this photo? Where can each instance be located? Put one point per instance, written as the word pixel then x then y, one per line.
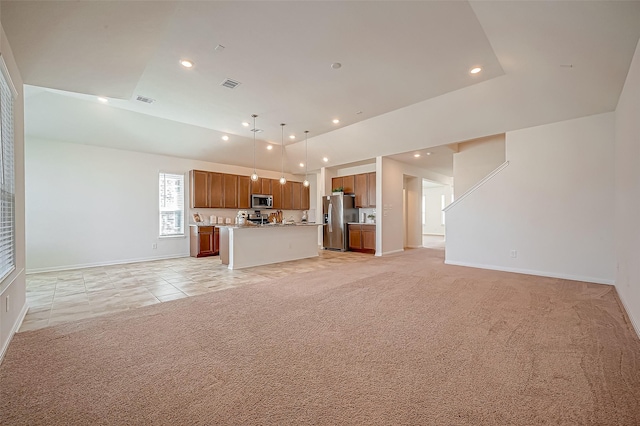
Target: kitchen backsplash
pixel 366 212
pixel 231 214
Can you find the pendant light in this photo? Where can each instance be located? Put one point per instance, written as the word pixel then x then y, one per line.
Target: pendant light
pixel 282 178
pixel 254 176
pixel 306 160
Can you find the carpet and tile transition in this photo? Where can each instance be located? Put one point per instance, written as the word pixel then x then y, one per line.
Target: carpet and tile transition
pixel 402 339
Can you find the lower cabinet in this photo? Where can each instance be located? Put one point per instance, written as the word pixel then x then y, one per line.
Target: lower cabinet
pixel 205 241
pixel 362 237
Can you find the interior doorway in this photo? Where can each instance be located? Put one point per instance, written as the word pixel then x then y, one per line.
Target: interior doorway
pixel 435 197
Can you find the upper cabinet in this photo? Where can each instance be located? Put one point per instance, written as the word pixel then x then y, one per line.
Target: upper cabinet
pixel 221 190
pixel 199 188
pixel 344 182
pixel 262 186
pixel 361 190
pixel 305 198
pixel 216 190
pixel 244 192
pixel 362 185
pixel 371 183
pixel 206 189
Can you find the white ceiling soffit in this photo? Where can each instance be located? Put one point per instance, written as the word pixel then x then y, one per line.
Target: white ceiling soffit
pixel 100 48
pixel 393 54
pixel 404 84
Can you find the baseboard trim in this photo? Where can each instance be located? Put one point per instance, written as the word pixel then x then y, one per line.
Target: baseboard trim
pixel 14 330
pixel 634 323
pixel 532 272
pixel 415 247
pixel 392 252
pixel 108 263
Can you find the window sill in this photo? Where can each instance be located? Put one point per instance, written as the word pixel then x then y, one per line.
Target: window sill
pixel 165 237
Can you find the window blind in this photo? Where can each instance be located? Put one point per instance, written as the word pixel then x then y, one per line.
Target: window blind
pixel 7 177
pixel 171 204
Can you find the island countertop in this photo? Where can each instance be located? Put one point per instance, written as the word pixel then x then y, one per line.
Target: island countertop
pixel 242 247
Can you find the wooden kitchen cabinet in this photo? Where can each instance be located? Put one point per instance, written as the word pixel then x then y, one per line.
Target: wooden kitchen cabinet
pixel 206 189
pixel 369 238
pixel 362 238
pixel 355 237
pixel 199 183
pixel 371 181
pixel 244 192
pixel 361 190
pixel 276 191
pixel 296 195
pixel 346 182
pixel 204 241
pixel 230 191
pixel 221 190
pixel 287 196
pixel 262 186
pixel 305 202
pixel 216 190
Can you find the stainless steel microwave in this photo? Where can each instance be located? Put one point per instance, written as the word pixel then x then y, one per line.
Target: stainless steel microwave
pixel 259 201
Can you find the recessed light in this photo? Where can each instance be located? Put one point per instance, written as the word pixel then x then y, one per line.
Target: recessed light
pixel 325 159
pixel 225 138
pixel 186 63
pixel 416 155
pixel 269 147
pixel 336 65
pixel 301 164
pixel 292 136
pixel 335 121
pixel 475 70
pixel 245 124
pixel 428 153
pixel 103 100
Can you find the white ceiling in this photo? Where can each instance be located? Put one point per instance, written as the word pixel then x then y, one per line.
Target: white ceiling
pixel 557 60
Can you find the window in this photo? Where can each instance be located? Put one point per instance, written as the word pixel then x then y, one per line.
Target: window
pixel 7 178
pixel 171 205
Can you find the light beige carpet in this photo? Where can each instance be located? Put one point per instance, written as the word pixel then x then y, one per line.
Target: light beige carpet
pixel 399 340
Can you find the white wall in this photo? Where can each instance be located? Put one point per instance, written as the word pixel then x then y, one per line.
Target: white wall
pixel 433 208
pixel 89 205
pixel 13 305
pixel 390 180
pixel 627 199
pixel 413 217
pixel 476 159
pixel 552 204
pixel 389 206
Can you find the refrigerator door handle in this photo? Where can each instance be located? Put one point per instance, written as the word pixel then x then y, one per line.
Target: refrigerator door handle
pixel 329 222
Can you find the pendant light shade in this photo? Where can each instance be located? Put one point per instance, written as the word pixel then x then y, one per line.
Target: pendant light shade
pixel 306 160
pixel 254 175
pixel 282 178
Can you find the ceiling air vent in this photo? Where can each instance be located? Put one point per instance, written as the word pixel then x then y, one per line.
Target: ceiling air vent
pixel 231 84
pixel 145 99
pixel 256 130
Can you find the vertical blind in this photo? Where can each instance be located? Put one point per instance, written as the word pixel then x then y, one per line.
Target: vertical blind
pixel 7 179
pixel 171 204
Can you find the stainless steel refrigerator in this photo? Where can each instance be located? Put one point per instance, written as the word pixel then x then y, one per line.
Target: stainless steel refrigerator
pixel 338 210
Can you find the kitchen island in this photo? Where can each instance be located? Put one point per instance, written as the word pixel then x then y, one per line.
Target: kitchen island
pixel 246 246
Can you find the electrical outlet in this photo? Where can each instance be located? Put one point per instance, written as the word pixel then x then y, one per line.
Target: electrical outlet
pixel 7 304
pixel 514 253
pixel 154 246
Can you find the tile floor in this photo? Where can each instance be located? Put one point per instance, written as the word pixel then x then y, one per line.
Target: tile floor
pixel 57 297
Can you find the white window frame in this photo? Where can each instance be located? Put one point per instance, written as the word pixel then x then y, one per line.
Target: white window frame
pixel 165 206
pixel 8 95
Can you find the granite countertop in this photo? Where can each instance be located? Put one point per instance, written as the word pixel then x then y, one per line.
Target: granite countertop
pixel 269 225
